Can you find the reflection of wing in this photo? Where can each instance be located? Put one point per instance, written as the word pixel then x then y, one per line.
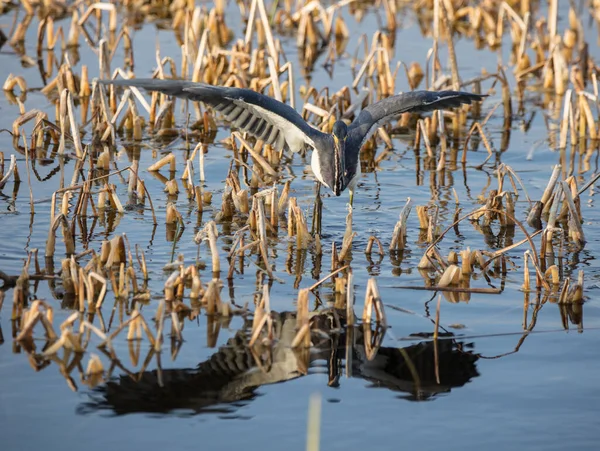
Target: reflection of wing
pixel 390 368
pixel 231 374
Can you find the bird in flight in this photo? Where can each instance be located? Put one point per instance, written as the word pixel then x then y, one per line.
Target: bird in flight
pixel 335 157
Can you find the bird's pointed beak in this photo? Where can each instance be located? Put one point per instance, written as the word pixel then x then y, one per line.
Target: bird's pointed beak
pixel 340 164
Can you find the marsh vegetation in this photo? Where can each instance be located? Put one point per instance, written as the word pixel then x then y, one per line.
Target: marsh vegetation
pixel 154 261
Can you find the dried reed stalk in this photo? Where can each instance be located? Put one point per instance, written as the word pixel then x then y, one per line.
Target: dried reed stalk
pixel 399 235
pixel 373 302
pixel 302 322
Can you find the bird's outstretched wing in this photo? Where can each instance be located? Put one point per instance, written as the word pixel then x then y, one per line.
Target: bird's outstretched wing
pixel 377 114
pixel 263 117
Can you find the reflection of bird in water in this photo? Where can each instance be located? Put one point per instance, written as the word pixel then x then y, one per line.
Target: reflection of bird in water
pixel 232 373
pixel 335 157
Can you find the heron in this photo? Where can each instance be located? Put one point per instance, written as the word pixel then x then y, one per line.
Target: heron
pixel 335 156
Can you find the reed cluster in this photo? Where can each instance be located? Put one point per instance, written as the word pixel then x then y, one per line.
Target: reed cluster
pixel 259 208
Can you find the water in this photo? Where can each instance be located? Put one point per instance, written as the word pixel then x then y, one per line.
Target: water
pixel 498 387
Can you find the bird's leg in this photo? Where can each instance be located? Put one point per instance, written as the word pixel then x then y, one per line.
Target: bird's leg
pixel 317 210
pixel 351 196
pixel 334 364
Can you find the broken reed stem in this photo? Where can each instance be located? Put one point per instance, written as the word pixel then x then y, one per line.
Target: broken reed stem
pixel 302 321
pixel 327 277
pixel 27 164
pixel 399 235
pixel 211 233
pixel 167 159
pixel 373 302
pixel 350 300
pixel 262 317
pixel 369 248
pixel 551 184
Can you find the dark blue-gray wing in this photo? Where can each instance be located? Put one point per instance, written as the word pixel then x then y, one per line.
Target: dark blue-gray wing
pixel 263 117
pixel 377 114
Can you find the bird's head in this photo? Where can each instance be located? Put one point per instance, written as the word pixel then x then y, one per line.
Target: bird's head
pixel 340 133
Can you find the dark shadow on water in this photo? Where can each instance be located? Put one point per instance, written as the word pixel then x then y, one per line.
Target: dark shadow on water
pixel 231 377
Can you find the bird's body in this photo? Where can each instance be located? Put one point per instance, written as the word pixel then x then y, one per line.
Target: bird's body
pixel 335 158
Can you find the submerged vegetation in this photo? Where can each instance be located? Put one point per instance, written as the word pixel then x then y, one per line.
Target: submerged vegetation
pixel 121 152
